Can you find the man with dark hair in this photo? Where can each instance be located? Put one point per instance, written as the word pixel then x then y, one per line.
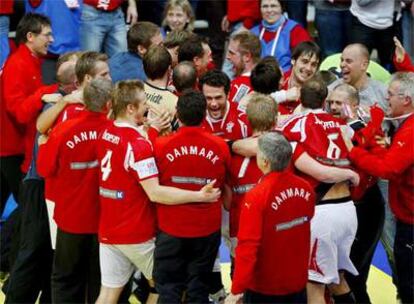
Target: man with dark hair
pixel 68 156
pixel 128 65
pixel 31 271
pixel 306 58
pixel 189 235
pixel 244 53
pixel 223 118
pixel 271 220
pixel 21 90
pixel 265 77
pixel 197 51
pixel 157 66
pixel 184 77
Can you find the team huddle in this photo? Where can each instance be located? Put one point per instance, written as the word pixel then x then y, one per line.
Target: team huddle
pixel 139 181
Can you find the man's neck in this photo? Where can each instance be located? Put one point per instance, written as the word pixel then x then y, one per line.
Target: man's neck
pixel 159 83
pixel 361 83
pixel 294 82
pixel 30 47
pixel 248 68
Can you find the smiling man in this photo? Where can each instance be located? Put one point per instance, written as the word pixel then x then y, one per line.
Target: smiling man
pixel 223 118
pixel 397 165
pixel 354 66
pixel 244 53
pixel 21 88
pixel 305 63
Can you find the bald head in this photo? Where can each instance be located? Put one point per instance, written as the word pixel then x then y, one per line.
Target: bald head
pixel 359 50
pixel 354 64
pixel 184 76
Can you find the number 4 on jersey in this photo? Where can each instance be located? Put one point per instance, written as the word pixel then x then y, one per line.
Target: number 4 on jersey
pixel 106 165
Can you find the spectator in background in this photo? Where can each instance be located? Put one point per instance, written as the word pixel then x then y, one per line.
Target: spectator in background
pixel 297 10
pixel 372 25
pixel 241 15
pixel 102 27
pixel 6 9
pixel 402 60
pixel 128 65
pixel 278 34
pixel 407 24
pixel 332 20
pixel 178 16
pixel 65 19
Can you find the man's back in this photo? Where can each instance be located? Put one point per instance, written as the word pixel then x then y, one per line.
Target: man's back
pixel 70 158
pixel 189 159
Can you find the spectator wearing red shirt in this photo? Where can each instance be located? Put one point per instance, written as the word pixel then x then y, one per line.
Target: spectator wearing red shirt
pixel 273 248
pixel 69 156
pixel 189 235
pixel 244 53
pixel 401 59
pixel 397 165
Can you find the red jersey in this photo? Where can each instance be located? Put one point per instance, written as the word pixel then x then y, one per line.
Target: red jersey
pixel 240 87
pixel 319 134
pixel 189 159
pixel 397 165
pixel 244 174
pixel 272 255
pixel 287 107
pixel 232 126
pixel 21 92
pixel 104 5
pixel 126 158
pixel 70 158
pixel 71 111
